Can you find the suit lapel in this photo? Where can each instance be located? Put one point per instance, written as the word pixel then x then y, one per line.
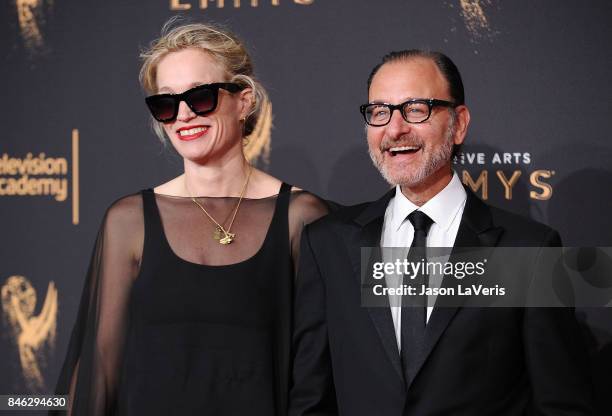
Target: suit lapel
pixel 475 230
pixel 370 222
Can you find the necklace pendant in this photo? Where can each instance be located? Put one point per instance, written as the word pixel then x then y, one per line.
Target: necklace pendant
pixel 217 234
pixel 227 239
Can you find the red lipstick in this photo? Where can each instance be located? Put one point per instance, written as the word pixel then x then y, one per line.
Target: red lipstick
pixel 189 133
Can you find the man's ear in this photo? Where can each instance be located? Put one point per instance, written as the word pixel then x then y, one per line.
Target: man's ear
pixel 462 120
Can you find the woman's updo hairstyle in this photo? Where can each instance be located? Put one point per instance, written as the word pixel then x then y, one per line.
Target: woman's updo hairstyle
pixel 222 45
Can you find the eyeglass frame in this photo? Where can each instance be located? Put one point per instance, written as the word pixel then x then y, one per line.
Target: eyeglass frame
pixel 431 103
pixel 228 86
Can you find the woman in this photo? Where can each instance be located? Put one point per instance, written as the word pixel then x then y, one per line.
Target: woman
pixel 187 305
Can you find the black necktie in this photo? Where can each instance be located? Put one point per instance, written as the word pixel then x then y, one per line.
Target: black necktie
pixel 413 317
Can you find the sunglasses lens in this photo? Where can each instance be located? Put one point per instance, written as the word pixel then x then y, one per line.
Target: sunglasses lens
pixel 202 100
pixel 162 108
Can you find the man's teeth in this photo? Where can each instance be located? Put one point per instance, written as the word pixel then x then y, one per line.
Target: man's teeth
pixel 403 148
pixel 189 132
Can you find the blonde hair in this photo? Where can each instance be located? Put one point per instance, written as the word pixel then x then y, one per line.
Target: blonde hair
pixel 222 45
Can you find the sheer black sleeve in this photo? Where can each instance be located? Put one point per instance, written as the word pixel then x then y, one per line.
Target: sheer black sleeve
pixel 304 208
pixel 92 370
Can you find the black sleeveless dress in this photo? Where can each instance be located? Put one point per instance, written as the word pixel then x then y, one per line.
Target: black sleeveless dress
pixel 161 335
pixel 210 340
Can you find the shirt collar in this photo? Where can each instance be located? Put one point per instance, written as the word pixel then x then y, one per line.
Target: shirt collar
pixel 442 208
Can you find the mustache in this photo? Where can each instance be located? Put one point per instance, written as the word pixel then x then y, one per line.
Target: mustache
pixel 404 140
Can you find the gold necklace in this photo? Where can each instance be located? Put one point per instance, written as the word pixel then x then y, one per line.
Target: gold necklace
pixel 221 234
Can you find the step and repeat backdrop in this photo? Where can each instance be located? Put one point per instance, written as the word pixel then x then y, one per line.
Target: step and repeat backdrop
pixel 75 132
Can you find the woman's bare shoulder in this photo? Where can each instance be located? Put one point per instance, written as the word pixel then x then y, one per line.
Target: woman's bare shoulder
pixel 174 187
pixel 262 185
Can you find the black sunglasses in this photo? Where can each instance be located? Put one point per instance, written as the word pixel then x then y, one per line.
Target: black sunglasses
pixel 201 99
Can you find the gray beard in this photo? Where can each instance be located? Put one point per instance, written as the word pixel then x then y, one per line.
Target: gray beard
pixel 438 159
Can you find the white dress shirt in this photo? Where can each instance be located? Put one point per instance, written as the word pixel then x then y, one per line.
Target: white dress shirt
pixel 445 209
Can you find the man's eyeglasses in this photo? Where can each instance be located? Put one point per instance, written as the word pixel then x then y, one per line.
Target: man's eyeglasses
pixel 201 99
pixel 416 110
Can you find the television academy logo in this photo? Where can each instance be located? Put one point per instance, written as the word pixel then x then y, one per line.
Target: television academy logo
pixel 38 174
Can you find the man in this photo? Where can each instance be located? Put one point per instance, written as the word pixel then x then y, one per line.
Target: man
pixel 352 359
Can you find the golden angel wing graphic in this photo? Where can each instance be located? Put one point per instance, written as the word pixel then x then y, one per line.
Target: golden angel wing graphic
pixel 475 18
pixel 29 15
pixel 31 332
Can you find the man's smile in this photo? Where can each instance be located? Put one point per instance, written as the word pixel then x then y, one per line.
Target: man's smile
pixel 404 150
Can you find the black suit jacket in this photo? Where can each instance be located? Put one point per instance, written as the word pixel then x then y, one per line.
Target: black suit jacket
pixel 477 361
